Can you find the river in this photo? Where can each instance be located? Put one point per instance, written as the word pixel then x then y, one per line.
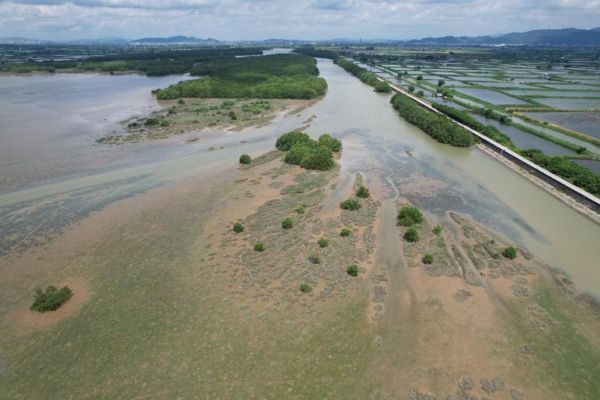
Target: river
pixel 435 177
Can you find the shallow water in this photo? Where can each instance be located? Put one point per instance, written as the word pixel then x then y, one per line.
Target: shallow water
pixel 435 177
pixel 50 123
pixel 491 96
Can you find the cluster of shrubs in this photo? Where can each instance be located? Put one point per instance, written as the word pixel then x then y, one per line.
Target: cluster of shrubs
pixel 308 153
pixel 350 204
pixel 353 204
pixel 50 299
pixel 410 216
pixel 435 125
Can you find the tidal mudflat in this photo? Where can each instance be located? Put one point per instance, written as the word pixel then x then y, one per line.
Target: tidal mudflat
pixel 172 302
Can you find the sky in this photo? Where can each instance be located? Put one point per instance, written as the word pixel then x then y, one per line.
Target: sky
pixel 288 19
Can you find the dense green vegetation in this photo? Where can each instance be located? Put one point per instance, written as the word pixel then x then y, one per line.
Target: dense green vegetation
pixel 238 227
pixel 437 126
pixel 310 154
pixel 409 215
pixel 352 270
pixel 287 140
pixel 305 288
pixel 314 258
pixel 464 117
pixel 278 76
pixel 567 169
pixel 437 230
pixel 245 159
pixel 510 252
pixel 287 223
pixel 330 142
pixel 364 75
pixel 345 232
pixel 50 299
pixel 259 246
pixel 318 53
pixel 427 259
pixel 362 192
pixel 149 61
pixel 411 235
pixel 350 204
pixel 323 242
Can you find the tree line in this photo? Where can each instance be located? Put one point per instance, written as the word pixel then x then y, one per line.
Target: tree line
pixel 278 76
pixel 435 125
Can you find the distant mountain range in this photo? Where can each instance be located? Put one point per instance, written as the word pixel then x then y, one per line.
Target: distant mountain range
pixel 176 40
pixel 542 37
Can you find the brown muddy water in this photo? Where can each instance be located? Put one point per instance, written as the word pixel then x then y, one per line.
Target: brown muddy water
pixel 437 178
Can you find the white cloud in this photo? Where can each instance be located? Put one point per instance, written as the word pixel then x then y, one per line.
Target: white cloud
pixel 310 19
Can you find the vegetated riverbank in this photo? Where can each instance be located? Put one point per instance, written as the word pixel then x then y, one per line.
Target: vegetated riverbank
pixel 234 322
pixel 192 116
pixel 143 60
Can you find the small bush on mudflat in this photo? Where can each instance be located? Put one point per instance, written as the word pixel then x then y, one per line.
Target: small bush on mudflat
pixel 323 242
pixel 287 223
pixel 259 246
pixel 315 258
pixel 427 259
pixel 350 204
pixel 51 299
pixel 238 227
pixel 300 210
pixel 411 235
pixel 245 159
pixel 352 270
pixel 287 140
pixel 305 288
pixel 510 252
pixel 151 121
pixel 437 229
pixel 409 216
pixel 345 232
pixel 362 192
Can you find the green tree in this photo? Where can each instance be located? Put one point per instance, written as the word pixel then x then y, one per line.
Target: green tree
pixel 411 235
pixel 409 215
pixel 287 223
pixel 238 227
pixel 510 252
pixel 352 270
pixel 362 192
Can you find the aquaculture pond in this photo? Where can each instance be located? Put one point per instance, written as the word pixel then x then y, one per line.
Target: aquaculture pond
pixel 587 122
pixel 571 104
pixel 491 96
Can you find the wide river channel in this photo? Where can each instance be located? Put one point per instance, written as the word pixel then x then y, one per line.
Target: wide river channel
pixel 52 173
